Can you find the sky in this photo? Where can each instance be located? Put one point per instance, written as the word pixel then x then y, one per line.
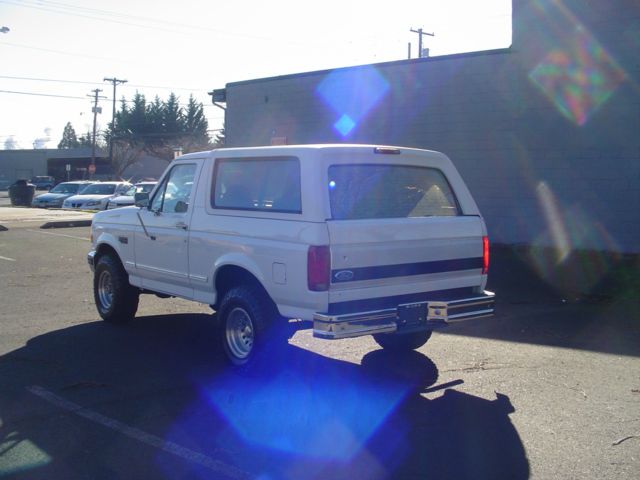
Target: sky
pixel 56 52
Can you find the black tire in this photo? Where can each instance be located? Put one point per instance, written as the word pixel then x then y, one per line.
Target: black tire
pixel 247 320
pixel 402 342
pixel 116 299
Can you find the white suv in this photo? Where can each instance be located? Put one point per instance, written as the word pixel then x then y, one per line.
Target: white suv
pixel 351 239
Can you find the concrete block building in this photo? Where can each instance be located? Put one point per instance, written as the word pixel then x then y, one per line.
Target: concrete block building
pixel 546 133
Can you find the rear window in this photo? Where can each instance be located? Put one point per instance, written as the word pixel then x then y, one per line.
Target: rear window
pixel 265 184
pixel 389 191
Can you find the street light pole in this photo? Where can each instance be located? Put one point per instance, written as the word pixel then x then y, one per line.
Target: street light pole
pixel 115 82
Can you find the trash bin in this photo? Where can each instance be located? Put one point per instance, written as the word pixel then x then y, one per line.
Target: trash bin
pixel 21 193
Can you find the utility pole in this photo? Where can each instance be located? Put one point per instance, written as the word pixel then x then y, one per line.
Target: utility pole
pixel 420 35
pixel 96 110
pixel 115 82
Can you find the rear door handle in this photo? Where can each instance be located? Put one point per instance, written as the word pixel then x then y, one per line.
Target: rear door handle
pixel 181 225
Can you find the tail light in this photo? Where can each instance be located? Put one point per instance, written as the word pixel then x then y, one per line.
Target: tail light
pixel 318 268
pixel 485 255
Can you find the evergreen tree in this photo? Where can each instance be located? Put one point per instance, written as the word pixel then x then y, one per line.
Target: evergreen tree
pixel 173 120
pixel 69 138
pixel 196 124
pixel 86 140
pixel 218 141
pixel 160 126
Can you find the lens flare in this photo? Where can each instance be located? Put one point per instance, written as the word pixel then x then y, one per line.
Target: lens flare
pixel 576 260
pixel 351 94
pixel 328 420
pixel 344 125
pixel 555 224
pixel 578 78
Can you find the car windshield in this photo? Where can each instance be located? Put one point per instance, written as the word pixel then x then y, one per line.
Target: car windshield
pixel 65 188
pixel 100 189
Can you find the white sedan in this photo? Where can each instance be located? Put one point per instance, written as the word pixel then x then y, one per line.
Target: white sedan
pixel 96 196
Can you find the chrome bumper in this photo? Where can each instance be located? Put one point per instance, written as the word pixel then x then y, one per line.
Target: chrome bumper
pixel 90 259
pixel 426 315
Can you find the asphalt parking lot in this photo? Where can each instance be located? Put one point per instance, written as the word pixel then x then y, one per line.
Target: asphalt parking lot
pixel 549 388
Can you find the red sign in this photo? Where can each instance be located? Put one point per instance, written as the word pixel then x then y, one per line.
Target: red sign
pixel 92 168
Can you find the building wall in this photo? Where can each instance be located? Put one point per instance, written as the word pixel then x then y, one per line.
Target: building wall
pixel 17 164
pixel 545 133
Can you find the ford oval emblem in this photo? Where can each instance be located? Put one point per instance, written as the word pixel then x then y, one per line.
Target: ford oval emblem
pixel 343 275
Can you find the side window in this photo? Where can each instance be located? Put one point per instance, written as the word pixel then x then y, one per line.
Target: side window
pixel 174 194
pixel 265 184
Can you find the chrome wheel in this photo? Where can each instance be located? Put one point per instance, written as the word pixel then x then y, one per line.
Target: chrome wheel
pixel 105 289
pixel 239 333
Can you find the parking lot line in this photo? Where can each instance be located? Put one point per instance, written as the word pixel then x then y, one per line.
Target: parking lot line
pixel 59 235
pixel 7 259
pixel 137 434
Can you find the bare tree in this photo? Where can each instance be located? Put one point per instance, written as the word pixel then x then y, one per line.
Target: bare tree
pixel 125 153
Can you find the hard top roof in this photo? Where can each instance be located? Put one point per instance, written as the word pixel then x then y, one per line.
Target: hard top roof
pixel 292 148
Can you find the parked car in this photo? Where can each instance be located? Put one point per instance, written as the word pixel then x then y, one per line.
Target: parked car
pixel 96 196
pixel 127 199
pixel 58 194
pixel 43 182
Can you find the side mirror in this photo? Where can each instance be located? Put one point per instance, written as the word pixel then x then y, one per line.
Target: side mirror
pixel 181 207
pixel 141 199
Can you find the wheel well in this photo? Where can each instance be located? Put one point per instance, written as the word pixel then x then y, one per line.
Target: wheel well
pixel 230 276
pixel 105 249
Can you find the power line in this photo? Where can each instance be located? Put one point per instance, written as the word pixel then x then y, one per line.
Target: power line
pixel 41 94
pixel 96 14
pixel 35 94
pixel 50 50
pixel 131 85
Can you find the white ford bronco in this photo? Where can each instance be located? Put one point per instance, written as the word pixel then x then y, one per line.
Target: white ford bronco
pixel 351 239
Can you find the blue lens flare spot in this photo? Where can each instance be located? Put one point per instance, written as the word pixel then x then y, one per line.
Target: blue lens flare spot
pixel 329 416
pixel 344 125
pixel 332 184
pixel 351 94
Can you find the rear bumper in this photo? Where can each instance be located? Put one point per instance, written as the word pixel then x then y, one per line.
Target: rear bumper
pixel 427 315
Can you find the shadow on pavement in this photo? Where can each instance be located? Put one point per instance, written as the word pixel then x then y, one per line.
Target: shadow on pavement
pixel 303 416
pixel 587 306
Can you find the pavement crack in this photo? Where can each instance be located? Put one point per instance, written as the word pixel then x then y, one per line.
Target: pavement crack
pixel 481 366
pixel 624 439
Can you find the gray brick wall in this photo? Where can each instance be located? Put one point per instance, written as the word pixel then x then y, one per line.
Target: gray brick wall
pixel 546 133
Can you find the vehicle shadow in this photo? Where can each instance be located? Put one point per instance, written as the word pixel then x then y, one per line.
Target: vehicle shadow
pixel 294 414
pixel 568 312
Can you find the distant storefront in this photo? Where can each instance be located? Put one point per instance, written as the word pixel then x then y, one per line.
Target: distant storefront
pixel 71 164
pixel 62 164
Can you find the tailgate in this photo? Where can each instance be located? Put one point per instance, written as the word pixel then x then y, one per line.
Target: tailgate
pixel 376 259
